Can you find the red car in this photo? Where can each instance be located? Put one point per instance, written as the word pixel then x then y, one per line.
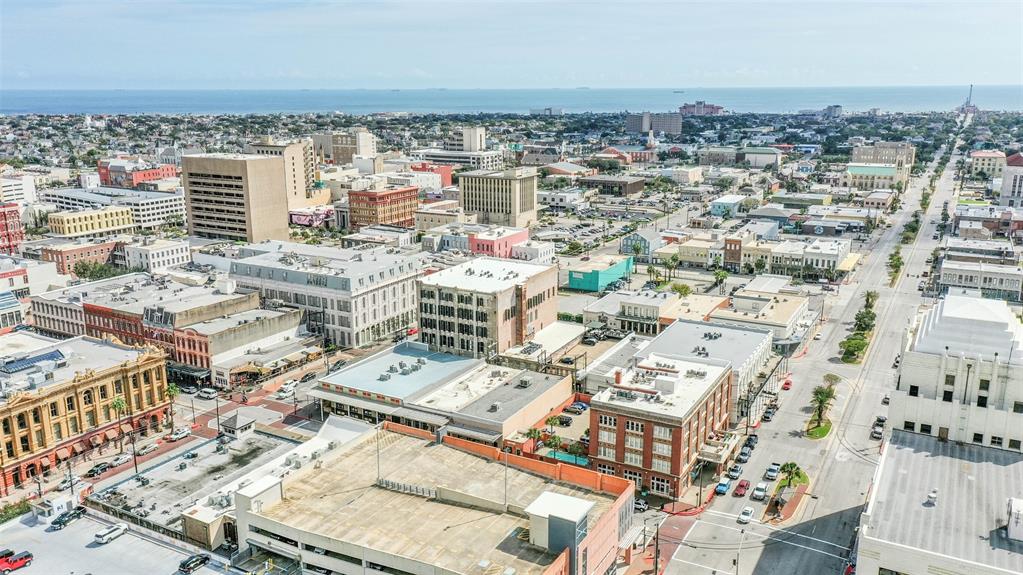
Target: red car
pixel 787 385
pixel 740 489
pixel 15 562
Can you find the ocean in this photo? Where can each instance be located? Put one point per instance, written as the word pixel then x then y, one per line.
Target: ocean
pixel 441 101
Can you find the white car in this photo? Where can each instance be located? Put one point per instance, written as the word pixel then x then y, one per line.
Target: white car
pixel 759 492
pixel 179 434
pixel 111 533
pixel 289 385
pixel 745 515
pixel 120 460
pixel 147 449
pixel 69 482
pixel 285 393
pixel 207 393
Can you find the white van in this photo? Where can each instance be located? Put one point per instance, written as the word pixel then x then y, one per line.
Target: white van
pixel 111 533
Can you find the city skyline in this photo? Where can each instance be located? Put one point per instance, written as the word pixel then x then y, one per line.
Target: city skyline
pixel 301 44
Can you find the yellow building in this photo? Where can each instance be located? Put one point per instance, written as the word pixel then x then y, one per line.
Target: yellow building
pixel 59 400
pixel 989 162
pixel 92 223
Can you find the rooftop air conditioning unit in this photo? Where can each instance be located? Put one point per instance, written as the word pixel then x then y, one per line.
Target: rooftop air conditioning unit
pixel 384 376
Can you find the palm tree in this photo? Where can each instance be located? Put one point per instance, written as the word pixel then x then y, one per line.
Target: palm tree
pixel 551 422
pixel 673 263
pixel 554 442
pixel 636 250
pixel 651 271
pixel 534 434
pixel 822 397
pixel 683 290
pixel 120 406
pixel 172 392
pixel 720 276
pixel 870 299
pixel 790 470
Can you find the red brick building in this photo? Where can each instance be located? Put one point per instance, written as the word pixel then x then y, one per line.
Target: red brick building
pixel 444 171
pixel 11 231
pixel 69 254
pixel 129 173
pixel 395 206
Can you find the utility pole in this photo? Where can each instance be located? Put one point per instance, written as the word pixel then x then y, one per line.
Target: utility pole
pixel 742 538
pixel 378 450
pixel 216 399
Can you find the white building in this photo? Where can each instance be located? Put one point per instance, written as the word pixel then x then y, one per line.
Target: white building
pixel 961 375
pixel 564 199
pixel 156 255
pixel 1012 181
pixel 534 251
pixel 427 182
pixel 27 277
pixel 18 189
pixel 149 210
pixel 993 280
pixel 826 254
pixel 685 175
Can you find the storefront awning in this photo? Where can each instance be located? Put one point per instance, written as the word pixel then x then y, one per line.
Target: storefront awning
pixel 351 401
pixel 63 453
pixel 78 447
pixel 126 428
pixel 96 440
pixel 848 263
pixel 44 462
pixel 187 370
pixel 111 434
pixel 421 416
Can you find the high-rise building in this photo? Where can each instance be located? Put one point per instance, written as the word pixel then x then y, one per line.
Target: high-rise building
pixel 390 205
pixel 902 155
pixel 487 305
pixel 11 232
pixel 506 198
pixel 235 196
pixel 299 170
pixel 341 147
pixel 667 122
pixel 701 108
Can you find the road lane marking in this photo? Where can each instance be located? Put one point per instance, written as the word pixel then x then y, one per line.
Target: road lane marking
pixel 774 529
pixel 711 569
pixel 768 539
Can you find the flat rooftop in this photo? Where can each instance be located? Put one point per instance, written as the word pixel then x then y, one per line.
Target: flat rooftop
pixel 341 501
pixel 435 368
pixel 974 484
pixel 476 394
pixel 133 293
pixel 597 262
pixel 224 323
pixel 678 384
pixel 103 195
pixel 485 275
pixel 778 308
pixel 735 345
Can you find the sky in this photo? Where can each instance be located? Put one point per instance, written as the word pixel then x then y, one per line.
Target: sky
pixel 340 44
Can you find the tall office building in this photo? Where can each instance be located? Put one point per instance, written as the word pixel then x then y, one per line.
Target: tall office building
pixel 506 198
pixel 235 196
pixel 299 170
pixel 668 123
pixel 341 147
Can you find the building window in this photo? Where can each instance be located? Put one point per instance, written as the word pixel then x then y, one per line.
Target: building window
pixel 950 379
pixel 634 476
pixel 947 396
pixel 1014 444
pixel 661 432
pixel 661 465
pixel 914 390
pixel 978 438
pixel 606 436
pixel 606 469
pixel 925 428
pixel 909 426
pixel 660 485
pixel 633 441
pixel 634 426
pixel 662 448
pixel 606 452
pixel 1017 407
pixel 985 384
pixel 607 421
pixel 633 458
pixel 996 441
pixel 981 401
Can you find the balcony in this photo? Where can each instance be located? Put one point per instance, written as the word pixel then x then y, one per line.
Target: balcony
pixel 719 450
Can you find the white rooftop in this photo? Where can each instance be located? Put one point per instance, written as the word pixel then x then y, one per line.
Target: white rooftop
pixel 485 275
pixel 664 384
pixel 559 505
pixel 972 326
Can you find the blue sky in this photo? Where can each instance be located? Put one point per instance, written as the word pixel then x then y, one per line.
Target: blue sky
pixel 287 44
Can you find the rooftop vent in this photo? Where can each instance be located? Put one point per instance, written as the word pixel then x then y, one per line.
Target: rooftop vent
pixel 384 376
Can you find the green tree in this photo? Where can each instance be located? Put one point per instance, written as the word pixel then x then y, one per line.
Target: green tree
pixel 720 276
pixel 831 380
pixel 554 442
pixel 673 262
pixel 870 298
pixel 578 450
pixel 683 290
pixel 864 320
pixel 120 407
pixel 821 399
pixel 790 470
pixel 636 250
pixel 534 434
pixel 760 265
pixel 853 346
pixel 172 393
pixel 551 422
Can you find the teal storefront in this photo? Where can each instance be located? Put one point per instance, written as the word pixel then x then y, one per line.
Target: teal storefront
pixel 596 280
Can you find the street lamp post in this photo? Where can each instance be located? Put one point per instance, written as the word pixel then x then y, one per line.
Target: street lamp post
pixel 742 538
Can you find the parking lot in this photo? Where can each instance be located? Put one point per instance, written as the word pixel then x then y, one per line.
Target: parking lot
pixel 73 551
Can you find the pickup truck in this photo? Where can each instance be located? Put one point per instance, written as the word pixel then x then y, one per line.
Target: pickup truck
pixel 772 471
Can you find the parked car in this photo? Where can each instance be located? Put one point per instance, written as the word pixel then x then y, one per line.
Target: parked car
pixel 573 410
pixel 817 336
pixel 921 285
pixel 567 360
pixel 723 484
pixel 193 563
pixel 740 489
pixel 110 533
pixel 744 454
pixel 759 492
pixel 308 377
pixel 768 415
pixel 589 341
pixel 751 441
pixel 772 471
pixel 179 434
pixel 745 515
pixel 564 420
pixel 189 389
pixel 880 420
pixel 67 518
pixel 581 405
pixel 5 553
pixel 289 385
pixel 285 393
pixel 898 359
pixel 735 471
pixel 120 460
pixel 69 482
pixel 886 400
pixel 787 385
pixel 15 562
pixel 877 432
pixel 207 393
pixel 640 505
pixel 98 469
pixel 146 450
pixel 337 365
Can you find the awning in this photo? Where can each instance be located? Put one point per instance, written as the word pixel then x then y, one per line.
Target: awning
pixel 63 453
pixel 126 428
pixel 189 370
pixel 477 434
pixel 44 462
pixel 111 433
pixel 78 447
pixel 247 368
pixel 352 401
pixel 848 263
pixel 294 357
pixel 96 440
pixel 422 416
pixel 594 325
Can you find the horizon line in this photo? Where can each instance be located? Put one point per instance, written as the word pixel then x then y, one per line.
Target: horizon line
pixel 444 88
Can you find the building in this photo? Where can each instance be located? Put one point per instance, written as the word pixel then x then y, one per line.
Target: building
pixel 987 162
pixel 299 170
pixel 350 296
pixel 58 398
pixel 701 108
pixel 506 198
pixel 130 172
pixel 992 280
pixel 1012 181
pixel 14 189
pixel 564 199
pixel 760 157
pixel 149 210
pixel 155 255
pixel 652 422
pixel 380 235
pixel 880 200
pixel 11 314
pixel 960 378
pixel 487 305
pixel 388 205
pixel 441 213
pixel 599 272
pixel 962 249
pixel 641 244
pixel 24 277
pixel 649 312
pixel 11 231
pixel 902 155
pixel 465 146
pixel 66 254
pixel 235 196
pixel 473 507
pixel 784 315
pixel 684 175
pixel 642 123
pixel 91 223
pixel 727 206
pixel 799 200
pixel 610 185
pixel 445 172
pixel 717 156
pixel 942 507
pixel 870 176
pixel 340 148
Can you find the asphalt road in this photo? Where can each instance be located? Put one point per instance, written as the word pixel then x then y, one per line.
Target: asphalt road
pixel 841 466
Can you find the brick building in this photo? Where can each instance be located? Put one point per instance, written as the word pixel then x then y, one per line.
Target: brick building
pixel 393 205
pixel 129 173
pixel 11 231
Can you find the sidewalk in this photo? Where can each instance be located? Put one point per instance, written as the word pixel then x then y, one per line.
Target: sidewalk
pixel 669 537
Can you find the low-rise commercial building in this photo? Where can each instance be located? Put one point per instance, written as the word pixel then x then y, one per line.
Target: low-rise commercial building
pixel 870 176
pixel 441 213
pixel 155 255
pixel 599 272
pixel 726 206
pixel 611 185
pixel 649 312
pixel 149 210
pixel 130 172
pixel 24 277
pixel 992 280
pixel 987 162
pixel 11 231
pixel 962 249
pixel 388 205
pixel 91 223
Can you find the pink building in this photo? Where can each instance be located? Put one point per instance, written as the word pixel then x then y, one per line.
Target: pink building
pixel 445 172
pixel 498 241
